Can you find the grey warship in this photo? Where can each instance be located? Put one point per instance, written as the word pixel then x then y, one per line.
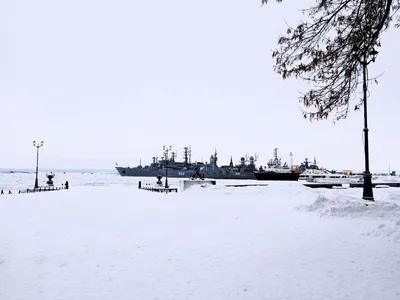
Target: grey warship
pixel 243 170
pixel 186 169
pixel 176 169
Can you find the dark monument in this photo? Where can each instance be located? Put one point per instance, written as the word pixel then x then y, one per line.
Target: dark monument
pixel 50 179
pixel 159 182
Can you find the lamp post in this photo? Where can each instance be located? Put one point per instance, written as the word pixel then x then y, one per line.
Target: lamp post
pixel 37 145
pixel 166 150
pixel 166 174
pixel 367 186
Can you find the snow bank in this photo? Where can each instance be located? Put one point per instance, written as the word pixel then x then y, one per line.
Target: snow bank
pixel 348 206
pixel 334 204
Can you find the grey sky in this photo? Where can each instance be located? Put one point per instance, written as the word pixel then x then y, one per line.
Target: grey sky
pixel 112 81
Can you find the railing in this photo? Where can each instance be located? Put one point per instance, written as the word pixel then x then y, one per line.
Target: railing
pixel 157 189
pixel 40 189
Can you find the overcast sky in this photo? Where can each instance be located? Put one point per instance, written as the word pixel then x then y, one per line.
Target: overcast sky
pixel 113 81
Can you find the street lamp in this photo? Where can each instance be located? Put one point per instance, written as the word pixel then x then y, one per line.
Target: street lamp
pixel 367 186
pixel 166 174
pixel 37 145
pixel 166 150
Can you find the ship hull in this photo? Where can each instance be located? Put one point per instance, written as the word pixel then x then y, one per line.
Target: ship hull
pixel 230 175
pixel 136 172
pixel 277 176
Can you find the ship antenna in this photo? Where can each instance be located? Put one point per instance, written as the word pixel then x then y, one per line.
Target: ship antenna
pixel 185 155
pixel 190 154
pixel 166 150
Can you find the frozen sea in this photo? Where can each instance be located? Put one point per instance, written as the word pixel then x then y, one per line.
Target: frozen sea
pixel 105 239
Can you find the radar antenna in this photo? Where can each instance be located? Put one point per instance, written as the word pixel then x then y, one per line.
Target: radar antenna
pixel 166 150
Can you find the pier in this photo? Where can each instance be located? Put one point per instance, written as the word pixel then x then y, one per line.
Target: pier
pixel 327 185
pixel 158 188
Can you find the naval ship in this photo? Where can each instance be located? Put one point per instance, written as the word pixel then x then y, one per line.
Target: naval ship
pixel 277 171
pixel 243 170
pixel 164 166
pixel 186 169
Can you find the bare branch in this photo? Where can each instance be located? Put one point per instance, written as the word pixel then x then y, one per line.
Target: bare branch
pixel 329 50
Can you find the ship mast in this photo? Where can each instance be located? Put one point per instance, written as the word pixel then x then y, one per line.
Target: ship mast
pixel 173 156
pixel 166 150
pixel 185 154
pixel 276 154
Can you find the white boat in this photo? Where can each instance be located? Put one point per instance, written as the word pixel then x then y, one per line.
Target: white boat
pixel 312 173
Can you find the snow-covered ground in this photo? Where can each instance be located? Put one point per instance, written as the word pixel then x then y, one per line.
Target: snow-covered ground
pixel 105 239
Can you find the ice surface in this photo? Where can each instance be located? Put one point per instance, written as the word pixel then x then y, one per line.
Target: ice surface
pixel 105 239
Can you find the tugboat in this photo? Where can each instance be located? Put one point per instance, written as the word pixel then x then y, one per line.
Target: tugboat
pixel 277 171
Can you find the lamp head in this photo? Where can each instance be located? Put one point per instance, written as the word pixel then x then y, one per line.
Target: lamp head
pixel 373 54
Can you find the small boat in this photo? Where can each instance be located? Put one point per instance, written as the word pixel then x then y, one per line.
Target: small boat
pixel 312 173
